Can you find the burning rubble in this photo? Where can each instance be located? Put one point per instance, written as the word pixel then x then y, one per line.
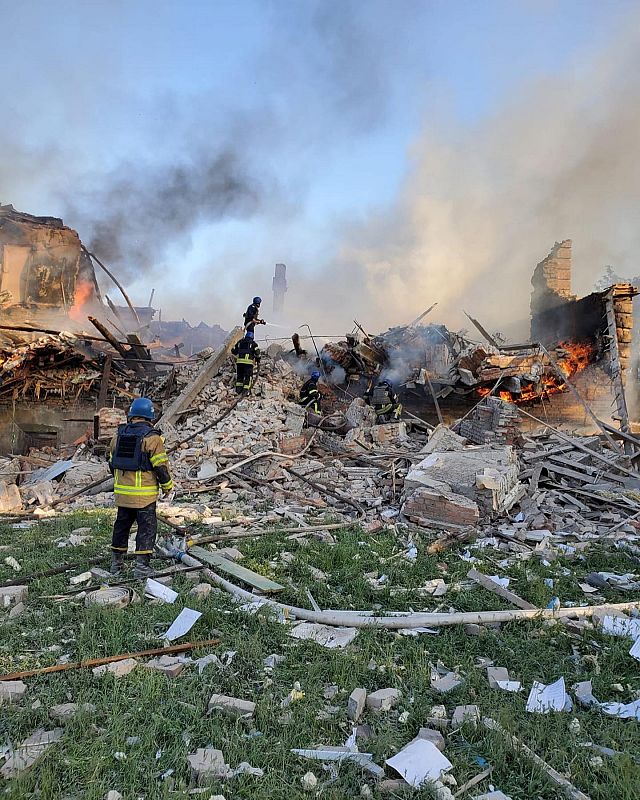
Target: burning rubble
pixel 259 472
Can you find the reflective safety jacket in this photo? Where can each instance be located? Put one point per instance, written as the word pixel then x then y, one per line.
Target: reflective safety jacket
pixel 384 400
pixel 139 464
pixel 310 395
pixel 246 352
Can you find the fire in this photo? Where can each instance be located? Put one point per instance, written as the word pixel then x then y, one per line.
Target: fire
pixel 82 295
pixel 578 356
pixel 571 358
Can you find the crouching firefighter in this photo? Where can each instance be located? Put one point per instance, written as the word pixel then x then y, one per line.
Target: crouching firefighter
pixel 140 468
pixel 310 394
pixel 384 402
pixel 247 355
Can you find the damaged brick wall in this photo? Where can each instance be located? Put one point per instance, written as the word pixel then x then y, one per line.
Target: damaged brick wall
pixel 41 261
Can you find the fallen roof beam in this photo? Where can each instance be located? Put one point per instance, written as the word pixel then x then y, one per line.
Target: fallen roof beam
pixel 211 366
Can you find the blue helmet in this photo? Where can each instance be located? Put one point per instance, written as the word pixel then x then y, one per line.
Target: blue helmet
pixel 142 407
pixel 315 374
pixel 249 335
pixel 257 300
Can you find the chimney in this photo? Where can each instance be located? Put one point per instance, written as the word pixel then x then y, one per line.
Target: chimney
pixel 279 288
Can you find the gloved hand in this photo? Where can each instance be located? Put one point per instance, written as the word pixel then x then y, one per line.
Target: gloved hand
pixel 169 497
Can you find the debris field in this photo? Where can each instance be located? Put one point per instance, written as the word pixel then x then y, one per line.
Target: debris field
pixel 358 610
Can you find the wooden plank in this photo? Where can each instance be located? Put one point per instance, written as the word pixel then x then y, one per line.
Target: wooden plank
pixel 104 382
pixel 589 470
pixel 486 582
pixel 535 477
pixel 231 568
pixel 211 366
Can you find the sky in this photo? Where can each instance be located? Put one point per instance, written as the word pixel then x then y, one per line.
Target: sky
pixel 393 153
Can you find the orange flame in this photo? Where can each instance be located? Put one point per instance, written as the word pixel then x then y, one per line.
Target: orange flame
pixel 571 358
pixel 82 295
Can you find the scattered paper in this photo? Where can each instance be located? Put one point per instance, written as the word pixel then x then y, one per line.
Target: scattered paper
pixel 504 582
pixel 621 626
pixel 417 631
pixel 622 710
pixel 552 697
pixel 160 591
pixel 418 762
pixel 325 635
pixel 635 650
pixel 499 679
pixel 182 624
pixel 584 693
pixel 509 686
pixel 588 589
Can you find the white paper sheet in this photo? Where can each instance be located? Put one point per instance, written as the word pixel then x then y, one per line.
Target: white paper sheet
pixel 504 582
pixel 620 626
pixel 635 650
pixel 419 761
pixel 552 697
pixel 182 624
pixel 509 686
pixel 160 591
pixel 585 696
pixel 622 710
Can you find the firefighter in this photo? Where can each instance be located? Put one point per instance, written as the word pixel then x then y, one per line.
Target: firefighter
pixel 140 468
pixel 310 394
pixel 247 355
pixel 252 315
pixel 384 401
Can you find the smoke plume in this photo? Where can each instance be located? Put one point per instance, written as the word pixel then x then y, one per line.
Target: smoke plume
pixel 481 207
pixel 139 210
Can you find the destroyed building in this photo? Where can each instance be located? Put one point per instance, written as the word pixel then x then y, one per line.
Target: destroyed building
pixel 44 269
pixel 582 341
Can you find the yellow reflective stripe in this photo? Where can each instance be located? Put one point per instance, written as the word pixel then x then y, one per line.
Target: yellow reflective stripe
pixel 167 487
pixel 160 458
pixel 135 493
pixel 244 360
pixel 144 490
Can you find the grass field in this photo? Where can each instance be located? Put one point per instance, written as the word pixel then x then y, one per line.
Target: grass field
pixel 168 715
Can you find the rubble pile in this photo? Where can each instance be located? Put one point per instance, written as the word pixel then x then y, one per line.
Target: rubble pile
pixel 50 366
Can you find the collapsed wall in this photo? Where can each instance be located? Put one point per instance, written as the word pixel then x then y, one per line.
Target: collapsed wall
pixel 42 264
pixel 603 320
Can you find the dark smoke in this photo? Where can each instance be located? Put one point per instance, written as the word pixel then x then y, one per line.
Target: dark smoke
pixel 140 210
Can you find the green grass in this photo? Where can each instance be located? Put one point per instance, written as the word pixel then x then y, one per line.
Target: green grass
pixel 169 715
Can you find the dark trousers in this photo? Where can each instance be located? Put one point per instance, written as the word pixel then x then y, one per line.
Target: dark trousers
pixel 147 529
pixel 244 378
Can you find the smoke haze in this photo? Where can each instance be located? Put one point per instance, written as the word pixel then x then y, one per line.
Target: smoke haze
pixel 198 202
pixel 481 207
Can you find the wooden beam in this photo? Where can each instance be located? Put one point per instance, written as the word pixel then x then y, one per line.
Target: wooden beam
pixel 231 568
pixel 211 366
pixel 487 583
pixel 104 382
pixel 96 662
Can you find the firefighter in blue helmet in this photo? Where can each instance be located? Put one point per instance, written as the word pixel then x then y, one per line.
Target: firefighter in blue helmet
pixel 310 394
pixel 140 467
pixel 384 402
pixel 252 315
pixel 247 355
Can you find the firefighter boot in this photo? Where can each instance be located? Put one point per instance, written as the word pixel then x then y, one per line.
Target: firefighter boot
pixel 143 566
pixel 117 562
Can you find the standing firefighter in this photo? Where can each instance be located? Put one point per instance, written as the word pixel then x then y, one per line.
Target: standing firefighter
pixel 310 394
pixel 252 315
pixel 384 401
pixel 247 355
pixel 139 464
